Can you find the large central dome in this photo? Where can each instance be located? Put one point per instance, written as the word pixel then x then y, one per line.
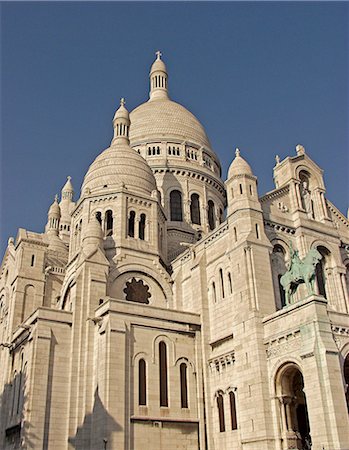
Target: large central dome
pixel 164 118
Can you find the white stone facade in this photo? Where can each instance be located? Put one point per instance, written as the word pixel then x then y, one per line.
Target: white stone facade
pixel 145 317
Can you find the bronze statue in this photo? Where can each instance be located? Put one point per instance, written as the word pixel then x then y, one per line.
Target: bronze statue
pixel 300 271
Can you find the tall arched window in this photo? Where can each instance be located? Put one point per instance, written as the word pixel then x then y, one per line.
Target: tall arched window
pixel 109 223
pixel 184 385
pixel 32 262
pixel 176 206
pixel 195 209
pixel 141 229
pixel 214 294
pixel 142 382
pixel 234 423
pixel 211 215
pixel 230 283
pixel 222 282
pixel 220 407
pixel 131 224
pixel 163 374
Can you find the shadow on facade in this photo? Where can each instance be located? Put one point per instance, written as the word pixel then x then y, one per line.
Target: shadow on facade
pixel 96 430
pixel 15 430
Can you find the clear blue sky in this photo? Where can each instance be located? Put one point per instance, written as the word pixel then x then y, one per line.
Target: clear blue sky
pixel 259 76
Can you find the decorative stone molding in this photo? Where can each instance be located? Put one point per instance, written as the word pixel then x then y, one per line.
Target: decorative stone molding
pixel 220 363
pixel 283 344
pixel 336 213
pixel 279 227
pixel 275 194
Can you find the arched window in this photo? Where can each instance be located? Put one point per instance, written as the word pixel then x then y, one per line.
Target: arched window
pixel 131 224
pixel 240 185
pixel 141 228
pixel 211 215
pixel 214 295
pixel 176 206
pixel 163 374
pixel 184 385
pixel 257 231
pixel 222 282
pixel 99 217
pixel 234 423
pixel 230 283
pixel 195 209
pixel 220 407
pixel 32 262
pixel 109 223
pixel 142 382
pixel 235 234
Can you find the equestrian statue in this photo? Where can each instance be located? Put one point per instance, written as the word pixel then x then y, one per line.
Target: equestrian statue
pixel 300 271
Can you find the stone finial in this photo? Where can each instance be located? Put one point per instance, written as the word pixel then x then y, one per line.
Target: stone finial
pixel 11 241
pixel 158 55
pixel 300 149
pixel 237 152
pixel 122 101
pixel 56 198
pixel 69 178
pixel 277 159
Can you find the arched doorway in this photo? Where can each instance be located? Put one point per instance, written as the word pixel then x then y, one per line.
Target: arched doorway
pixel 295 427
pixel 346 379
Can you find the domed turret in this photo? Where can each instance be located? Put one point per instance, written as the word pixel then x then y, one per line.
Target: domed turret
pixel 119 165
pixel 53 216
pixel 158 79
pixel 239 166
pixel 52 227
pixel 241 185
pixel 121 124
pixel 93 235
pixel 66 204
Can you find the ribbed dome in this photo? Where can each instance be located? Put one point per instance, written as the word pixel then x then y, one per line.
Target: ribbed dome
pixel 239 166
pixel 163 118
pixel 119 165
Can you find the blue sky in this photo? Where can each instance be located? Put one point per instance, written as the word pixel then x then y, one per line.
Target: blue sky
pixel 259 76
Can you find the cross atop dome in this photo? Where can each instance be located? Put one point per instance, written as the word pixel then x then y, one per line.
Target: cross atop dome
pixel 158 55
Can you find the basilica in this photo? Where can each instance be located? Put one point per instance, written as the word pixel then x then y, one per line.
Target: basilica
pixel 164 308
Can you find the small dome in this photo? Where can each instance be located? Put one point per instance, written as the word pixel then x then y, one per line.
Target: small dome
pixel 68 187
pixel 122 112
pixel 158 65
pixel 239 166
pixel 119 165
pixel 55 210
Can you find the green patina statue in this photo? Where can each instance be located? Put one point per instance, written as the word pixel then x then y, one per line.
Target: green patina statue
pixel 300 271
